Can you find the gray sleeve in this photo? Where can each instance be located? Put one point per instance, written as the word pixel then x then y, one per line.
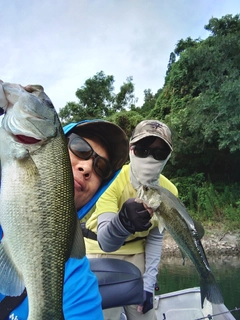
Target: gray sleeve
pixel 110 232
pixel 153 252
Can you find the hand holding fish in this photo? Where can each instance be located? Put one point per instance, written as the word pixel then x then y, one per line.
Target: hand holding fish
pixel 134 216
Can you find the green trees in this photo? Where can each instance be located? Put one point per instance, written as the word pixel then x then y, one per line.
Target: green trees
pixel 200 101
pixel 149 102
pixel 96 96
pixel 98 100
pixel 125 99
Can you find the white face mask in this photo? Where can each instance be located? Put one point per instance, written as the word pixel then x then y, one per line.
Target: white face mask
pixel 145 171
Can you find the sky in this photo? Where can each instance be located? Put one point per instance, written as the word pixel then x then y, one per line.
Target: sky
pixel 60 44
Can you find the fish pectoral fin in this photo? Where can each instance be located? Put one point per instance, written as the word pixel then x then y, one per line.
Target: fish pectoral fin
pixel 78 248
pixel 161 224
pixel 199 228
pixel 160 228
pixel 184 256
pixel 11 281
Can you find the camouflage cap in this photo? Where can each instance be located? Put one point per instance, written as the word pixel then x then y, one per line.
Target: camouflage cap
pixel 155 128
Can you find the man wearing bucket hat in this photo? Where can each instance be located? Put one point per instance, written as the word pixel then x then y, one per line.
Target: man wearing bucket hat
pixel 123 227
pixel 97 150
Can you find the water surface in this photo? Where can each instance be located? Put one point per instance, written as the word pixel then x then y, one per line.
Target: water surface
pixel 174 276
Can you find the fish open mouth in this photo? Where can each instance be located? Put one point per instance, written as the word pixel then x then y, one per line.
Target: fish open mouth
pixel 26 140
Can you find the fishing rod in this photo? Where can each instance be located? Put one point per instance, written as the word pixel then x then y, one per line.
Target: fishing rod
pixel 210 317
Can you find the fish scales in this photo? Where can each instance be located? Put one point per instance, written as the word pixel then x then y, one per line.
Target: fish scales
pixel 173 216
pixel 184 234
pixel 38 216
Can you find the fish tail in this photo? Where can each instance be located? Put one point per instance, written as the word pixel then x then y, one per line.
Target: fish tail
pixel 210 290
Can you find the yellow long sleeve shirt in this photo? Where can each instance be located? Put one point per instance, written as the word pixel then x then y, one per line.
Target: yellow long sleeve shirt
pixel 112 200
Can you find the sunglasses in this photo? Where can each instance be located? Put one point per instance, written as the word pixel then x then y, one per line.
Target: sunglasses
pixel 83 150
pixel 144 152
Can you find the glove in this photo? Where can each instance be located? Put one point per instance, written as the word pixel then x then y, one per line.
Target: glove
pixel 147 301
pixel 134 217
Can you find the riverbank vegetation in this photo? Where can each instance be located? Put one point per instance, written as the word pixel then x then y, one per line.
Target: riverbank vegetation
pixel 200 102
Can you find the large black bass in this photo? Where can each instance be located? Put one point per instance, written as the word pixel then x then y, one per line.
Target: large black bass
pixel 37 213
pixel 173 216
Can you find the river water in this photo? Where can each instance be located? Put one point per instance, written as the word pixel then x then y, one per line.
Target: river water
pixel 174 276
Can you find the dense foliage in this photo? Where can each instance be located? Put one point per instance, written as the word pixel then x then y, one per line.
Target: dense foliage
pixel 200 101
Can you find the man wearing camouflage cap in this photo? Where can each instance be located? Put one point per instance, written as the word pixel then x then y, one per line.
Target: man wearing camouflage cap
pixel 124 227
pixel 144 169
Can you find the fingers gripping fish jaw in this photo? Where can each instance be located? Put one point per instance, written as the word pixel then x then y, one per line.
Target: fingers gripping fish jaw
pixel 149 196
pixel 28 110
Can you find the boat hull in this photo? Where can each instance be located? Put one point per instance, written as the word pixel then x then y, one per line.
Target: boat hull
pixel 186 304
